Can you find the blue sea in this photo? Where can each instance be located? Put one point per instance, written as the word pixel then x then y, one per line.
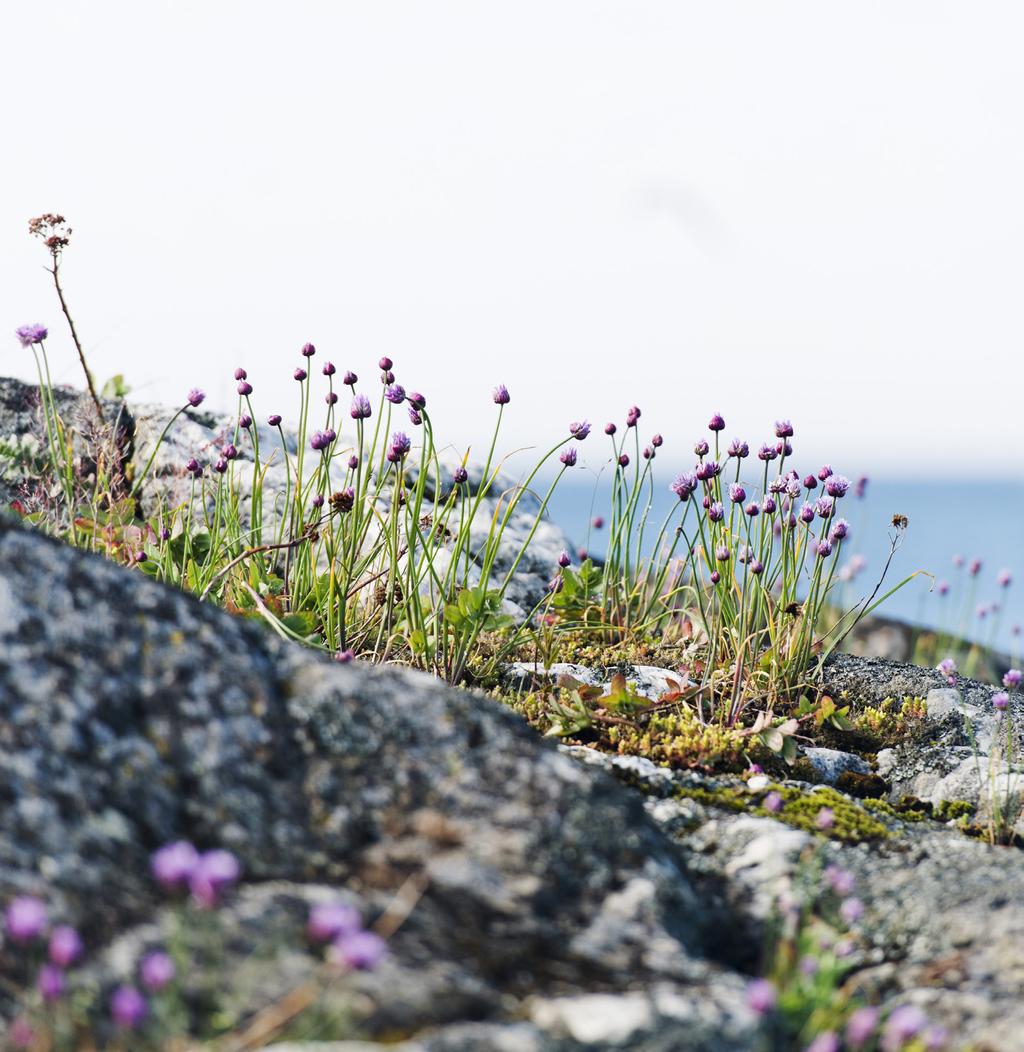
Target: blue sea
pixel 980 520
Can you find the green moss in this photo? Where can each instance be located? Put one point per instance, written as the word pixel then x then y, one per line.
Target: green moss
pixel 851 822
pixel 949 810
pixel 888 722
pixel 900 811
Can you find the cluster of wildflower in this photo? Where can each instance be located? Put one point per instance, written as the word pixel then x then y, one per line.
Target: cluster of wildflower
pixel 806 979
pixel 350 946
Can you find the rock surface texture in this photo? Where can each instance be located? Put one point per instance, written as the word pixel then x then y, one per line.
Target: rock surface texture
pixel 131 715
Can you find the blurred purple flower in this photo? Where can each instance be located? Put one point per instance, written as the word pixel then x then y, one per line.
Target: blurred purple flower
pixel 30 334
pixel 128 1007
pixel 25 918
pixel 65 946
pixel 157 970
pixel 51 982
pixel 195 397
pixel 214 873
pixel 761 996
pixel 328 920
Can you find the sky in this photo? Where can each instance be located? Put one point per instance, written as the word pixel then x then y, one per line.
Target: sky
pixel 803 210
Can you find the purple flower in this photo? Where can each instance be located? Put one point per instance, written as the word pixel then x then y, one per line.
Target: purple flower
pixel 21 1033
pixel 738 449
pixel 274 420
pixel 767 453
pixel 25 918
pixel 345 657
pixel 807 513
pixel 579 429
pixel 826 1042
pixel 975 567
pixel 399 447
pixel 417 400
pixel 350 379
pixel 648 453
pixel 568 457
pixel 840 530
pixel 460 475
pixel 414 416
pixel 722 553
pixel 657 441
pixel 173 865
pixel 328 920
pixel 701 448
pixel 308 350
pixel 244 388
pixel 757 567
pixel 318 501
pixel 825 819
pixel 328 369
pixel 51 982
pixel 837 485
pixel 385 363
pixel 683 485
pixel 903 1024
pixel 195 397
pixel 1012 679
pixel 1000 701
pixel 564 559
pixel 851 910
pixel 783 429
pixel 387 378
pixel 861 488
pixel 395 394
pixel 623 460
pixel 353 462
pixel 360 950
pixel 299 374
pixel 716 423
pixel 825 471
pixel 824 549
pixel 824 507
pixel 810 482
pixel 716 512
pixel 715 577
pixel 598 522
pixel 193 467
pixel 707 470
pixel 501 395
pixel 761 996
pixel 753 509
pixel 768 505
pixel 241 374
pixel 331 398
pixel 229 452
pixel 65 946
pixel 860 1026
pixel 737 494
pixel 245 421
pixel 632 415
pixel 157 970
pixel 1004 579
pixel 30 334
pixel 610 429
pixel 361 407
pixel 773 802
pixel 213 874
pixel 841 881
pixel 319 441
pixel 128 1007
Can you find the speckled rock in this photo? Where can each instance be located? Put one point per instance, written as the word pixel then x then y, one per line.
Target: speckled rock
pixel 131 715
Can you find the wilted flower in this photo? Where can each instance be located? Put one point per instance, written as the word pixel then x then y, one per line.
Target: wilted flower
pixel 128 1007
pixel 30 334
pixel 343 500
pixel 25 918
pixel 361 407
pixel 568 457
pixel 716 423
pixel 501 395
pixel 579 430
pixel 195 397
pixel 157 970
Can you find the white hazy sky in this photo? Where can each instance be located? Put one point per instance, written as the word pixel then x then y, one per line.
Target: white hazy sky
pixel 812 210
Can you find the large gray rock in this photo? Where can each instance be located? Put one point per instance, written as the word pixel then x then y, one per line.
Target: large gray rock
pixel 131 715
